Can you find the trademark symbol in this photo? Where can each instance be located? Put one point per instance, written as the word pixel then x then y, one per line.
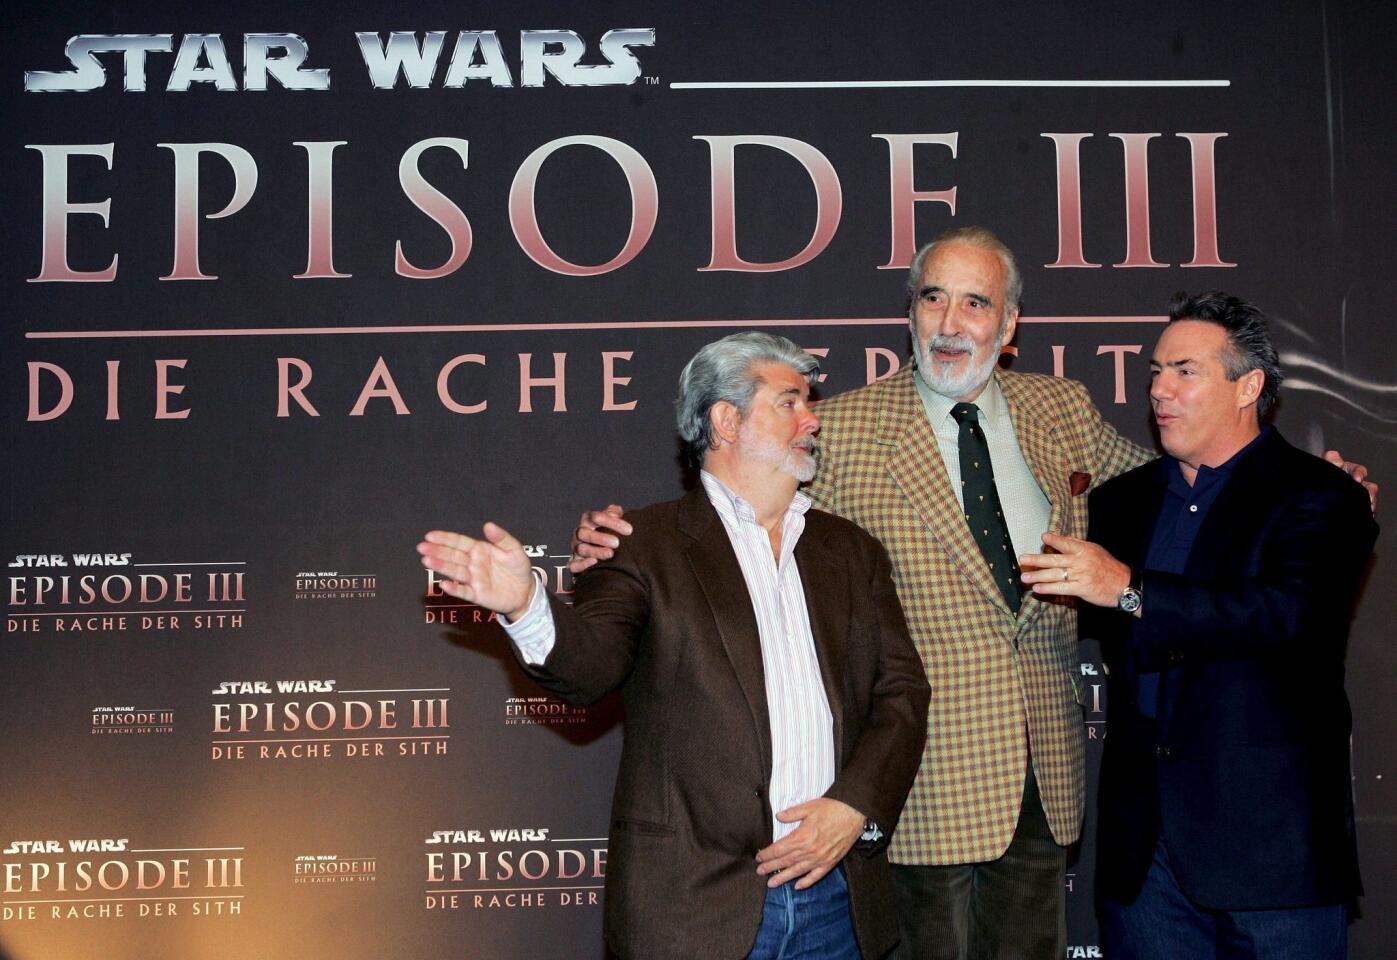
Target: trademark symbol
pixel 652 81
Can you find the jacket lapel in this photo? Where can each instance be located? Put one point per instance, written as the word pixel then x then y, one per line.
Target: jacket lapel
pixel 917 468
pixel 1042 451
pixel 718 574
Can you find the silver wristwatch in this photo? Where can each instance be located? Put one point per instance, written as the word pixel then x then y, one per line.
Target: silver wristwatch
pixel 1130 599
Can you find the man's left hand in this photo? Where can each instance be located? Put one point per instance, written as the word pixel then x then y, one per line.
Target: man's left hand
pixel 828 829
pixel 1358 472
pixel 1077 569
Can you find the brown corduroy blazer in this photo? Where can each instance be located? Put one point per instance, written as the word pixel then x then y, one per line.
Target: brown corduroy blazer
pixel 1001 684
pixel 669 621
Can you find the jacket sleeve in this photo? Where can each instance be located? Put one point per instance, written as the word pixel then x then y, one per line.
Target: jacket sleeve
pixel 597 638
pixel 1109 453
pixel 879 771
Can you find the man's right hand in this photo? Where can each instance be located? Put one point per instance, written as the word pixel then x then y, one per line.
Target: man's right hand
pixel 493 572
pixel 597 536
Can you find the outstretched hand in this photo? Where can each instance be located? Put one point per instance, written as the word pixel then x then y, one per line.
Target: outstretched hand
pixel 493 572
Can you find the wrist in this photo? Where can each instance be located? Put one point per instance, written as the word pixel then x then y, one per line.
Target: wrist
pixel 1131 598
pixel 517 614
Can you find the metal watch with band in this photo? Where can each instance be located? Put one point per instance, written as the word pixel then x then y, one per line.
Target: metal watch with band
pixel 1131 597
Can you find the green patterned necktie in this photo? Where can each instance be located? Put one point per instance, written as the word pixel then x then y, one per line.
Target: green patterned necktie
pixel 983 512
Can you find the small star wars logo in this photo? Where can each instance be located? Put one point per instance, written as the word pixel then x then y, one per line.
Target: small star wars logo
pixel 1075 952
pixel 131 721
pixel 322 869
pixel 541 711
pixel 333 585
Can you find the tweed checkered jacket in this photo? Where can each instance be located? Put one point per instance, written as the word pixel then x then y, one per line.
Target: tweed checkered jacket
pixel 1002 685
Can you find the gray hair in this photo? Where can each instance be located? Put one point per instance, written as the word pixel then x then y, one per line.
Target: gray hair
pixel 975 237
pixel 725 371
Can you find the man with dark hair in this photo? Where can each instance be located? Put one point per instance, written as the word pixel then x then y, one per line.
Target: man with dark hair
pixel 1221 582
pixel 774 701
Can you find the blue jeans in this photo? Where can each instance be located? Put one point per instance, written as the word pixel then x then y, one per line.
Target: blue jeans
pixel 810 924
pixel 1163 924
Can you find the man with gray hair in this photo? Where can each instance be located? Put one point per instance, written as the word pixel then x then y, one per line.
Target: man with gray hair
pixel 774 702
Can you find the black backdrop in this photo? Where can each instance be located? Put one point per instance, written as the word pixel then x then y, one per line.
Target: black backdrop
pixel 237 721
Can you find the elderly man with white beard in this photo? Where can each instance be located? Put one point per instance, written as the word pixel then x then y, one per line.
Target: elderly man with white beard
pixel 953 465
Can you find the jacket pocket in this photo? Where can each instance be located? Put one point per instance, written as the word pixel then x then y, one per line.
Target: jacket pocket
pixel 642 827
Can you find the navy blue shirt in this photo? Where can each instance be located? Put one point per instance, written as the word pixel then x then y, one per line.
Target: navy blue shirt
pixel 1181 516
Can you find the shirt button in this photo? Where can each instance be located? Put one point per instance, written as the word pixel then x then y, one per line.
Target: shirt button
pixel 1193 508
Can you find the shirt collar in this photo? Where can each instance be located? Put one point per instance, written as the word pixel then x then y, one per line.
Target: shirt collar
pixel 994 409
pixel 1209 476
pixel 727 502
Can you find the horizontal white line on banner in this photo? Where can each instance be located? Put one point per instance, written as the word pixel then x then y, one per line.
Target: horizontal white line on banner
pixel 197 563
pixel 444 736
pixel 183 849
pixel 526 327
pixel 404 690
pixel 577 839
pixel 901 84
pixel 212 896
pixel 489 890
pixel 120 613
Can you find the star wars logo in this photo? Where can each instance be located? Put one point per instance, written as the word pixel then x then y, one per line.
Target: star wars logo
pixel 81 879
pixel 131 721
pixel 505 868
pixel 333 585
pixel 541 711
pixel 316 720
pixel 201 59
pixel 60 596
pixel 321 869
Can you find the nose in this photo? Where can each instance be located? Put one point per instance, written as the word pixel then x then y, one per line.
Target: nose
pixel 1161 386
pixel 811 424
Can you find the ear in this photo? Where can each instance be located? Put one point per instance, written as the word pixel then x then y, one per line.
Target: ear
pixel 726 421
pixel 1011 323
pixel 1249 387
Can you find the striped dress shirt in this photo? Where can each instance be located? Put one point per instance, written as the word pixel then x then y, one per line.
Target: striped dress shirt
pixel 802 727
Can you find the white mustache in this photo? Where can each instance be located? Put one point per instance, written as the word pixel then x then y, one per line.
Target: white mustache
pixel 947 342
